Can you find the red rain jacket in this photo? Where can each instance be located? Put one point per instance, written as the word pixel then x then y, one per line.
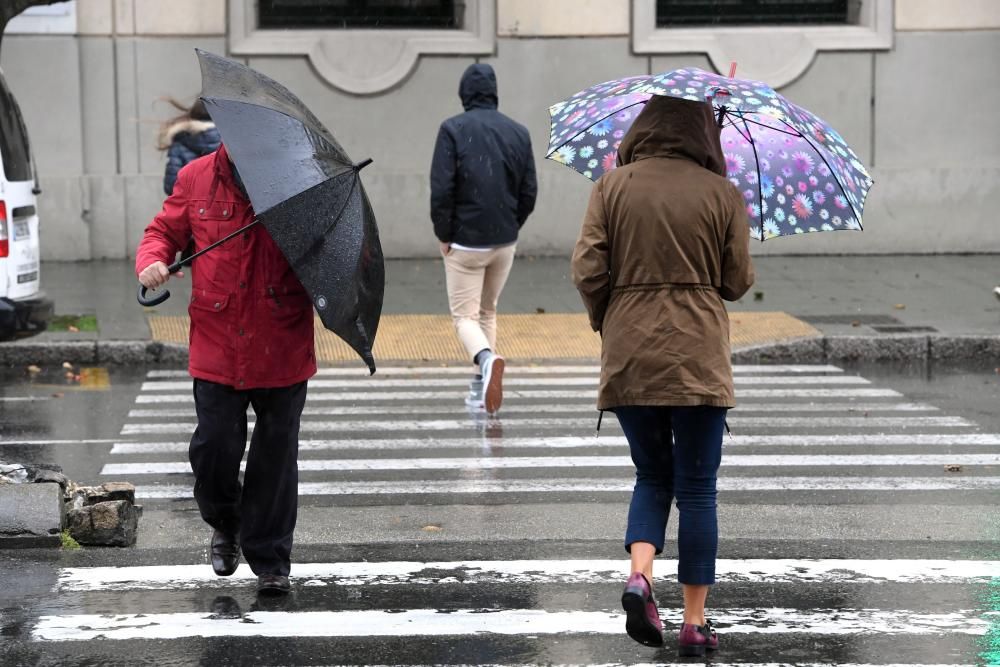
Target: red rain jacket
pixel 251 319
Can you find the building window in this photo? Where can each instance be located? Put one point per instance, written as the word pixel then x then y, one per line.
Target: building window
pixel 370 14
pixel 695 13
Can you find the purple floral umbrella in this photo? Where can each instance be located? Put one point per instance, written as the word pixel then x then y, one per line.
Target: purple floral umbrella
pixel 796 173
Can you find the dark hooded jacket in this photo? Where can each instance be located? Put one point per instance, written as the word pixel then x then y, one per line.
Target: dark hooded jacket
pixel 188 140
pixel 483 174
pixel 665 239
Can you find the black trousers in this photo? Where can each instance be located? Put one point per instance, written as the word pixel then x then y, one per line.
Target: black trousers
pixel 262 510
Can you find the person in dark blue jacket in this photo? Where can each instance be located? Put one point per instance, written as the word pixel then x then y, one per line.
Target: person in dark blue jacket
pixel 483 188
pixel 185 138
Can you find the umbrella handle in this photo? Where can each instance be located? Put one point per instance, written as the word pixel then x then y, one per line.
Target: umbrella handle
pixel 153 301
pixel 160 297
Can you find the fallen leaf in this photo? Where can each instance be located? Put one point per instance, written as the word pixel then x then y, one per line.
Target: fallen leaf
pixel 758 296
pixel 953 467
pixel 73 329
pixel 539 310
pixel 58 394
pixel 432 528
pixel 855 323
pixel 900 306
pixel 33 369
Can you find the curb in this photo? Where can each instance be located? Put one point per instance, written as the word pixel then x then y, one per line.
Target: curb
pixel 110 353
pixel 822 349
pixel 906 347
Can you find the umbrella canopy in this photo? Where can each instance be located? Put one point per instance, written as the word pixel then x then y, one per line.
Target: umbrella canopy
pixel 306 191
pixel 796 173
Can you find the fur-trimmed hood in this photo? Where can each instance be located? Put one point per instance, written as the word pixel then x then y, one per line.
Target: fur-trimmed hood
pixel 187 132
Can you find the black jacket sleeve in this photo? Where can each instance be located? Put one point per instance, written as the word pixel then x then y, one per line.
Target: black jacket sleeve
pixel 443 186
pixel 528 191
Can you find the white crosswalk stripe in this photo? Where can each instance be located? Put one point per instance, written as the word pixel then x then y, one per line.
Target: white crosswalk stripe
pixel 432 623
pixel 738 412
pixel 738 369
pixel 514 395
pixel 843 571
pixel 346 426
pixel 603 441
pixel 534 462
pixel 361 385
pixel 587 485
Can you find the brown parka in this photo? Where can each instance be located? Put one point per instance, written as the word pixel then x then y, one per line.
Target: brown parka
pixel 664 240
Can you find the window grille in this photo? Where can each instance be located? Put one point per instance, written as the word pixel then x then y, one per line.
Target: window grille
pixel 695 13
pixel 370 14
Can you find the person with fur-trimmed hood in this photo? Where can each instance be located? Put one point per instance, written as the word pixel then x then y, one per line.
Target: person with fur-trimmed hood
pixel 186 137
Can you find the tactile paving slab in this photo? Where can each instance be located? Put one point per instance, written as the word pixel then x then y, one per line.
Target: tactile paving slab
pixel 519 336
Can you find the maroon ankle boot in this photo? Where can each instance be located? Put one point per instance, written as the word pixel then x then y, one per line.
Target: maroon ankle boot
pixel 695 640
pixel 642 618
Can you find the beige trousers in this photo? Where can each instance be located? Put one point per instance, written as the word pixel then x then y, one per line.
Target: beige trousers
pixel 474 281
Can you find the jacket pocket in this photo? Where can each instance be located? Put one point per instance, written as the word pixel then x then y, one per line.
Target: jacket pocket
pixel 211 222
pixel 212 346
pixel 289 343
pixel 283 303
pixel 212 301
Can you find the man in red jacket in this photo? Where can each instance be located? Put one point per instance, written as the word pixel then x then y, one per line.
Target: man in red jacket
pixel 251 343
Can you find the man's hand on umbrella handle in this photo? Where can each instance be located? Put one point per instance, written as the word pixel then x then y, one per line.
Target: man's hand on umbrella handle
pixel 156 274
pixel 445 248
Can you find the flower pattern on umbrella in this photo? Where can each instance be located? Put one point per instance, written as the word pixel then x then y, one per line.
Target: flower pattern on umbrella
pixel 796 173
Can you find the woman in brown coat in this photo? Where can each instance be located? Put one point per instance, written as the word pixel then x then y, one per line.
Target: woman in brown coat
pixel 664 241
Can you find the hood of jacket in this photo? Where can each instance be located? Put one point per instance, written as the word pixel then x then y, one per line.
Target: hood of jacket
pixel 675 128
pixel 194 134
pixel 478 87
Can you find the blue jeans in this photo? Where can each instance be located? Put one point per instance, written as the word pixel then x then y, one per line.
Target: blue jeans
pixel 676 451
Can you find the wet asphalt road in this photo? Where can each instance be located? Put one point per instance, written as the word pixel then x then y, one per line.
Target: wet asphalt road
pixel 436 538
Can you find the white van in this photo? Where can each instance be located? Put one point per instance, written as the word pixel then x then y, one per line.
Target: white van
pixel 24 308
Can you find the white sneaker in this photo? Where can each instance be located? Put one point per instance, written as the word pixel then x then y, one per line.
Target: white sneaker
pixel 492 368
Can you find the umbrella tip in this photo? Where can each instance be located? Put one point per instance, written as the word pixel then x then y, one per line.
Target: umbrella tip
pixel 361 165
pixel 732 69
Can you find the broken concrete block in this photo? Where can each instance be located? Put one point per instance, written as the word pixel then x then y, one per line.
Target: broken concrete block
pixel 111 523
pixel 31 515
pixel 52 476
pixel 81 496
pixel 119 491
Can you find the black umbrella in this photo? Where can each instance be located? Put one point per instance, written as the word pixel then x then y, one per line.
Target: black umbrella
pixel 306 191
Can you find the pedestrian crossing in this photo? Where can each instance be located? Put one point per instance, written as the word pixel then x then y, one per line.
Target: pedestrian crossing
pixel 803 435
pixel 797 427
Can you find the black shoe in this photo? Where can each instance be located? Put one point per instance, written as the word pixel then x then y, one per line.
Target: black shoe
pixel 225 553
pixel 273 584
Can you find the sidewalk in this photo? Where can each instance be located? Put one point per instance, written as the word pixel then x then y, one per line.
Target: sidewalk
pixel 865 299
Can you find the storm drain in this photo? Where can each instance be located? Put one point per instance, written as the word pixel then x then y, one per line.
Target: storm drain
pixel 903 329
pixel 871 320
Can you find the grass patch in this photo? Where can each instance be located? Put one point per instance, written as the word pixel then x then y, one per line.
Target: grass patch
pixel 80 322
pixel 68 542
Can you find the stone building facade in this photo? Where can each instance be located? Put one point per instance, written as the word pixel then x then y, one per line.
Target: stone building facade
pixel 911 84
